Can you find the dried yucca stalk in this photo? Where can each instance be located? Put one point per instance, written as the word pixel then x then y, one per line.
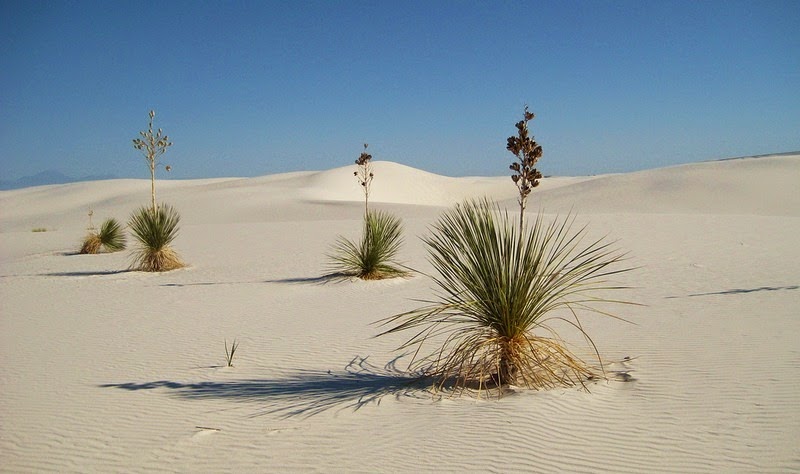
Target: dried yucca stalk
pixel 528 152
pixel 364 175
pixel 152 145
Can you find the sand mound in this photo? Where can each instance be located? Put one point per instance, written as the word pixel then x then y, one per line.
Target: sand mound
pixel 761 186
pixel 400 184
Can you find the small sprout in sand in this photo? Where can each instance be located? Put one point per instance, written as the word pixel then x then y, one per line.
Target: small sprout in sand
pixel 39 229
pixel 110 237
pixel 528 152
pixel 91 225
pixel 229 353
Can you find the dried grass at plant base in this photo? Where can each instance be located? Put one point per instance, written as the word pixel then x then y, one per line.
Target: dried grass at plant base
pixel 91 244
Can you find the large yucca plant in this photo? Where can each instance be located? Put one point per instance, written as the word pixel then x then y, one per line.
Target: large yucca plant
pixel 498 294
pixel 374 256
pixel 155 231
pixel 110 237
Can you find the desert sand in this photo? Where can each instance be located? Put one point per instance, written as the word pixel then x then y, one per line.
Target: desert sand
pixel 109 370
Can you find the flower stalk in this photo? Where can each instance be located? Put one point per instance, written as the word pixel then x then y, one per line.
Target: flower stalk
pixel 528 152
pixel 152 145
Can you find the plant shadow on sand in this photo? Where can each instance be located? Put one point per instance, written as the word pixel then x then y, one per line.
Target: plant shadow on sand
pixel 738 291
pixel 86 273
pixel 305 393
pixel 319 280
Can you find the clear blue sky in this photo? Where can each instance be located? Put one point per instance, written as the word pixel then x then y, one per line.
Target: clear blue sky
pixel 255 88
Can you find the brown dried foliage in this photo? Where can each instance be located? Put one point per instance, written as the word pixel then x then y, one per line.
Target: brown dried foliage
pixel 91 244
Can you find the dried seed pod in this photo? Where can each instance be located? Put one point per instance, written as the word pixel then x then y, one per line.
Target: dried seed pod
pixel 526 176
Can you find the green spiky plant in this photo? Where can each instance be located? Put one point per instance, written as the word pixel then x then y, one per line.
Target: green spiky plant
pixel 155 232
pixel 374 257
pixel 499 294
pixel 230 353
pixel 110 237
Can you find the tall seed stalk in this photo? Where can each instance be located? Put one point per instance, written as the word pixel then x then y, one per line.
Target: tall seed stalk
pixel 364 175
pixel 152 146
pixel 528 152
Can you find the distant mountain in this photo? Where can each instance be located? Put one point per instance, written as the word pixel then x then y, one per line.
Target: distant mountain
pixel 48 177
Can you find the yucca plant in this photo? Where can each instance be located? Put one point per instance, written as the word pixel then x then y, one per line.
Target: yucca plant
pixel 374 256
pixel 110 237
pixel 155 232
pixel 499 294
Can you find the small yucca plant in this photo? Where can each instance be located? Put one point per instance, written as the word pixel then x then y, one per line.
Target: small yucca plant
pixel 499 292
pixel 110 237
pixel 155 232
pixel 374 256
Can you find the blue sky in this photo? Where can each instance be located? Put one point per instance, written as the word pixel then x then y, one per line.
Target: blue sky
pixel 255 88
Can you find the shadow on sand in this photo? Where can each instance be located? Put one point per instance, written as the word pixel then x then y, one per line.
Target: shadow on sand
pixel 319 280
pixel 87 273
pixel 738 291
pixel 305 393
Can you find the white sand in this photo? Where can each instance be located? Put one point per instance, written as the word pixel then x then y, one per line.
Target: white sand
pixel 105 370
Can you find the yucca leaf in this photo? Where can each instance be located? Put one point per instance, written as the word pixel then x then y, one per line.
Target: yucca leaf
pixel 111 235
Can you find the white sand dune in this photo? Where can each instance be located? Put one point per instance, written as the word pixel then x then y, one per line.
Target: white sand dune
pixel 105 370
